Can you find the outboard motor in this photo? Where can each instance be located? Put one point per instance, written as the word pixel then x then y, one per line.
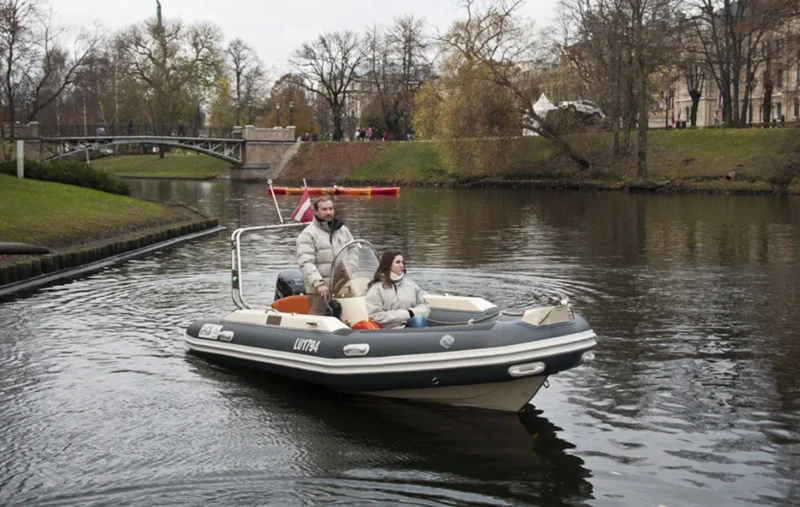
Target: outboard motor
pixel 290 283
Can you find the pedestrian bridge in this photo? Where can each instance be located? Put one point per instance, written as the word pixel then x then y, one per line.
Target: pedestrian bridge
pixel 254 152
pixel 230 150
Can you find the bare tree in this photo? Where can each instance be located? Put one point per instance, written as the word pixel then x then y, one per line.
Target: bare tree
pixel 494 37
pixel 16 46
pixel 248 75
pixel 178 66
pixel 732 35
pixel 328 67
pixel 396 65
pixel 694 76
pixel 652 24
pixel 52 69
pixel 596 41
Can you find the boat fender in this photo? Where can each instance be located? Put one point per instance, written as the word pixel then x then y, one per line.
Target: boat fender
pixel 366 325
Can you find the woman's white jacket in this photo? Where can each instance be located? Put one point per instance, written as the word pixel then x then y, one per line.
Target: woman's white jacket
pixel 389 306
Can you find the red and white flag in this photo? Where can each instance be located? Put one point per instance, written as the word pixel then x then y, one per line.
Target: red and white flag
pixel 303 212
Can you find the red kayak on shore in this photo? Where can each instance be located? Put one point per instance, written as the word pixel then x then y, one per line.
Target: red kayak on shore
pixel 336 190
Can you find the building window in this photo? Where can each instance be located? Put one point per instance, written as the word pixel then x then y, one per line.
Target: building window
pixel 779 79
pixel 797 77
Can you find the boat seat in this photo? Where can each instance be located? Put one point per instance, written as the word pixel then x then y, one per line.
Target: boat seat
pixel 293 304
pixel 354 309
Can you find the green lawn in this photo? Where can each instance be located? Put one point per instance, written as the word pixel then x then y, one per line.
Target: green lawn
pixel 755 153
pixel 171 166
pixel 403 161
pixel 52 214
pixel 758 155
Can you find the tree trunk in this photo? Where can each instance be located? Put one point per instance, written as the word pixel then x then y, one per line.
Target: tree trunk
pixel 737 72
pixel 641 167
pixel 9 89
pixel 695 95
pixel 11 117
pixel 745 106
pixel 726 106
pixel 338 133
pixel 767 104
pixel 564 147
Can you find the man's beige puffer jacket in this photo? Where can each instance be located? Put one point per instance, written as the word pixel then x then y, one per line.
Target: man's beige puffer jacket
pixel 316 247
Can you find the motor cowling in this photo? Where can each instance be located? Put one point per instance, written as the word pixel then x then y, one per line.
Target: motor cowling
pixel 290 283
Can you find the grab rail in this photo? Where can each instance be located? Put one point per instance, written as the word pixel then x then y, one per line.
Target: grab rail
pixel 237 293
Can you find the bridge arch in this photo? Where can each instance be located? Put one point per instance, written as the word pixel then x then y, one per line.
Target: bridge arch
pixel 229 150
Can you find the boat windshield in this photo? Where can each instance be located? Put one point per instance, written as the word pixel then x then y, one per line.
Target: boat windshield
pixel 353 268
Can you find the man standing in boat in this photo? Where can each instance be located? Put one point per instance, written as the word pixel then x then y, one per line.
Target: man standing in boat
pixel 316 247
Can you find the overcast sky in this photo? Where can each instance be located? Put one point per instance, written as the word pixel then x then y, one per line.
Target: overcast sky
pixel 274 28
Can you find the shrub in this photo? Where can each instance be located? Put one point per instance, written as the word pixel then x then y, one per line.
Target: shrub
pixel 71 173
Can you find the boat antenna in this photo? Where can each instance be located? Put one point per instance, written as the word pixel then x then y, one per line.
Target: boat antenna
pixel 274 199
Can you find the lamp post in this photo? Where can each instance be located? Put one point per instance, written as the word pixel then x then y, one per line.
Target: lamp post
pixel 278 110
pixel 249 112
pixel 291 109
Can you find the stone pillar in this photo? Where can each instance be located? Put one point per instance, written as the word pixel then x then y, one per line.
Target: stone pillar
pixel 262 151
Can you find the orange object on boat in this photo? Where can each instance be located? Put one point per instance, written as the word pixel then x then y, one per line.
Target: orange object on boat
pixel 365 325
pixel 337 190
pixel 293 304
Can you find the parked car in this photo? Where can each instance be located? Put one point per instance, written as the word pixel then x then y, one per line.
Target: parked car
pixel 106 151
pixel 583 108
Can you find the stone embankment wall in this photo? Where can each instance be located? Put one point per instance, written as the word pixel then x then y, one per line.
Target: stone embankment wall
pixel 29 267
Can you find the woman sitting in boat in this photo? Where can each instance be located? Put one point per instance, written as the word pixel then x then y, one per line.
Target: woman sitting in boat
pixel 393 299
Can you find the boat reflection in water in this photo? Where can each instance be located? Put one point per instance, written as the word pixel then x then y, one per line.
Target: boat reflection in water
pixel 369 447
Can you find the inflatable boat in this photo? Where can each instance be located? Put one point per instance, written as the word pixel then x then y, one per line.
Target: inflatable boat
pixel 473 353
pixel 336 190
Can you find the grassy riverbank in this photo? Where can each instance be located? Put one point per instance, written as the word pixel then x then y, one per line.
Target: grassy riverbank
pixel 57 215
pixel 173 165
pixel 704 160
pixel 751 160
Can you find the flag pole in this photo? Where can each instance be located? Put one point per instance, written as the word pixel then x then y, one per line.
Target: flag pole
pixel 275 200
pixel 305 185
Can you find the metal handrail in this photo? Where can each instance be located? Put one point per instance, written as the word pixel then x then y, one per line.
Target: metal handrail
pixel 237 292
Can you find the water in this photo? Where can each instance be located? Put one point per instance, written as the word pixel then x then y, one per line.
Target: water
pixel 694 398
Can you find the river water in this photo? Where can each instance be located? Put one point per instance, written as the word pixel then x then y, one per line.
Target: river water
pixel 694 398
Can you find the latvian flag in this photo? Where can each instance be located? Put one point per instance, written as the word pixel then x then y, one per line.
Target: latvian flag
pixel 303 212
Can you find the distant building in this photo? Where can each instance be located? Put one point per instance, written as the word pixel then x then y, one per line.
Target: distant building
pixel 785 80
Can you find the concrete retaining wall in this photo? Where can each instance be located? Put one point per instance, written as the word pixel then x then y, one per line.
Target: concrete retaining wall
pixel 32 267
